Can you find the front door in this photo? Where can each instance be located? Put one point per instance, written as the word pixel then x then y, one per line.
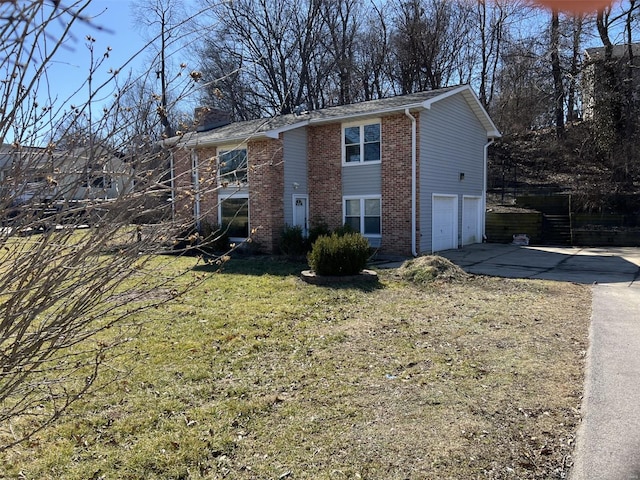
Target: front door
pixel 301 213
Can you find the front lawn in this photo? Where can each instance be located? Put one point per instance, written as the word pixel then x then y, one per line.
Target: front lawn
pixel 257 375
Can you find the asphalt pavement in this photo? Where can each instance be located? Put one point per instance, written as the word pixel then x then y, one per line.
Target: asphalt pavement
pixel 608 440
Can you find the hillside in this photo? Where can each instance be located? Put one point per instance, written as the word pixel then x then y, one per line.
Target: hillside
pixel 538 163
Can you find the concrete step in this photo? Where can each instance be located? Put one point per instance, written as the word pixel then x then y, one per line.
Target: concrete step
pixel 556 229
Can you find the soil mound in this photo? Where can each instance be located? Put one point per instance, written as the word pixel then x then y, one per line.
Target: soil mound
pixel 431 268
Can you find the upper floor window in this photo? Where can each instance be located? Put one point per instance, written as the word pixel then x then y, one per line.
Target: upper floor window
pixel 361 143
pixel 233 166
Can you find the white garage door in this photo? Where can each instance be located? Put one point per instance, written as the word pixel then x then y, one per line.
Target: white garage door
pixel 471 220
pixel 445 222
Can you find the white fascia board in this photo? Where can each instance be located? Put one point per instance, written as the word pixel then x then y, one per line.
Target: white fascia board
pixel 176 140
pixel 275 133
pixel 427 103
pixel 195 143
pixel 476 107
pixel 272 134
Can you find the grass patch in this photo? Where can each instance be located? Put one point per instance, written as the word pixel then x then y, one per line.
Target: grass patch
pixel 255 374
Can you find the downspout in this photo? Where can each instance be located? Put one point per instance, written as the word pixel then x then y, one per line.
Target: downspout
pixel 413 181
pixel 484 190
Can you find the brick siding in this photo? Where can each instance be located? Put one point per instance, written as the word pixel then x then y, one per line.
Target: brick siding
pixel 396 185
pixel 266 184
pixel 266 193
pixel 325 175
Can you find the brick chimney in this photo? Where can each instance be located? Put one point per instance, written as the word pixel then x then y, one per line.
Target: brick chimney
pixel 208 118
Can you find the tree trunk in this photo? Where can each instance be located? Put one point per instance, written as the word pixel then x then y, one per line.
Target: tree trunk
pixel 558 87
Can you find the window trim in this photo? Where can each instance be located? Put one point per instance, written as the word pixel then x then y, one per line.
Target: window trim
pixel 361 124
pixel 362 199
pixel 236 196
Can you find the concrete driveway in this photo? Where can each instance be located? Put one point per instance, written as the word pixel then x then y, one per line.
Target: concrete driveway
pixel 608 439
pixel 567 264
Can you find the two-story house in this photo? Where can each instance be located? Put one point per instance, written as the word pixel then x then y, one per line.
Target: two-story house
pixel 598 87
pixel 408 172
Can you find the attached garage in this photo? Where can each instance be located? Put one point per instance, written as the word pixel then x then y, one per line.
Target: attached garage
pixel 444 222
pixel 471 220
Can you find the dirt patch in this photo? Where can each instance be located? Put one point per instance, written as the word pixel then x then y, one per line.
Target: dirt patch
pixel 309 276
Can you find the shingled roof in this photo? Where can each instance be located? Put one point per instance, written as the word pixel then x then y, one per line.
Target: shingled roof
pixel 272 127
pixel 618 51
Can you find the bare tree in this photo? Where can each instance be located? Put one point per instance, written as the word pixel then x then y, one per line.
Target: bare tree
pixel 578 22
pixel 371 52
pixel 523 88
pixel 340 18
pixel 614 91
pixel 494 22
pixel 228 84
pixel 429 42
pixel 66 292
pixel 162 19
pixel 556 70
pixel 274 43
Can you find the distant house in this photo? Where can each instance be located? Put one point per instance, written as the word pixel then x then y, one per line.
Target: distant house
pixel 408 172
pixel 40 174
pixel 596 86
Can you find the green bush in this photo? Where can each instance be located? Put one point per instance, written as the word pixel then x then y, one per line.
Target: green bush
pixel 318 229
pixel 339 254
pixel 292 241
pixel 344 229
pixel 214 238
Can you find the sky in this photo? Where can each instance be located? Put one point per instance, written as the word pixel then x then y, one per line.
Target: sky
pixel 115 27
pixel 112 26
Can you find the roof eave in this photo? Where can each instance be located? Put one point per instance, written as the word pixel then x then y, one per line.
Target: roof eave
pixel 275 133
pixel 271 134
pixel 476 107
pixel 372 113
pixel 239 139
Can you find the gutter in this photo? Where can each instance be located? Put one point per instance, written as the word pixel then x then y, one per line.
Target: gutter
pixel 414 180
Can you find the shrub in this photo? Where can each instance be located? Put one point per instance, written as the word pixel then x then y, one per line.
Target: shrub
pixel 214 238
pixel 344 229
pixel 318 229
pixel 339 254
pixel 292 241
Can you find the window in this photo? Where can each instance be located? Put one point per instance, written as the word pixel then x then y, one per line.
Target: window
pixel 234 217
pixel 362 143
pixel 363 215
pixel 233 166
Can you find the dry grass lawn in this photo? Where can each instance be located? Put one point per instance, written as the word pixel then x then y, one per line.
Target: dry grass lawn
pixel 432 374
